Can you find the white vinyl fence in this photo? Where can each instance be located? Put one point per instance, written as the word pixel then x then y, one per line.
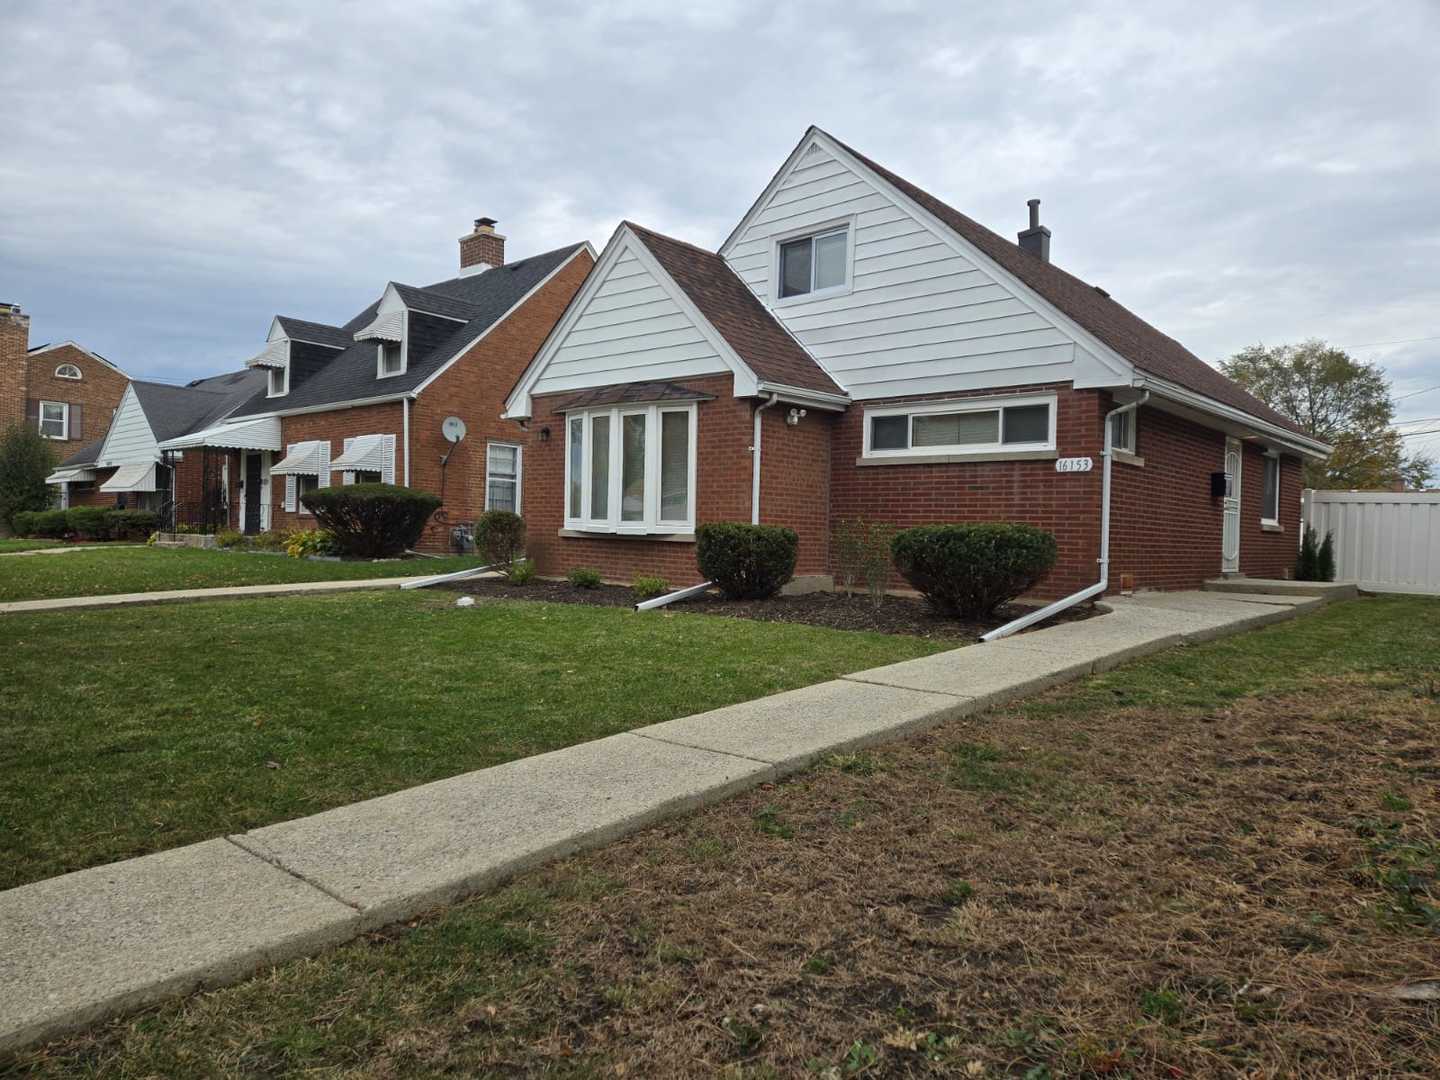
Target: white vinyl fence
pixel 1385 541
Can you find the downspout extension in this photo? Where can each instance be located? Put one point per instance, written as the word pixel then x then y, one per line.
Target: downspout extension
pixel 1090 591
pixel 755 463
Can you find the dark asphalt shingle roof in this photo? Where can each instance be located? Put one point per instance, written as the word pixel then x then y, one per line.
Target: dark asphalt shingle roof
pixel 84 456
pixel 178 410
pixel 319 333
pixel 1118 327
pixel 739 316
pixel 622 393
pixel 481 299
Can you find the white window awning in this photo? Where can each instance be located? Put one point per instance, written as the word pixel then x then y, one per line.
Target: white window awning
pixel 258 434
pixel 139 477
pixel 276 354
pixel 389 327
pixel 70 476
pixel 365 454
pixel 303 459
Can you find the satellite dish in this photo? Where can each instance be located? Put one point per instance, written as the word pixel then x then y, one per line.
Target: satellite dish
pixel 453 429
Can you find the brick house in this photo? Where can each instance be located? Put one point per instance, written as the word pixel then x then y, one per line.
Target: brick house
pixel 857 348
pixel 65 391
pixel 367 401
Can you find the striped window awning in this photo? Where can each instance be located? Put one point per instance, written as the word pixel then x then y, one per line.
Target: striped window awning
pixel 140 477
pixel 366 453
pixel 260 434
pixel 70 476
pixel 302 460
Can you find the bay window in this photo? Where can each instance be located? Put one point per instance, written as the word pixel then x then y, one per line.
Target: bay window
pixel 631 469
pixel 977 426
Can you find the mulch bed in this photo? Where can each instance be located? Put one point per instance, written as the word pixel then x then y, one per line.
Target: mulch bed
pixel 836 611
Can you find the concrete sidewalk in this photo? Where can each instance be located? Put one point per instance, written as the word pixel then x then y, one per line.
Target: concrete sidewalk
pixel 180 596
pixel 88 945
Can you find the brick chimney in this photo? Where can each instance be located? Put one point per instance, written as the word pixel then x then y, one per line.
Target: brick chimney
pixel 483 249
pixel 14 343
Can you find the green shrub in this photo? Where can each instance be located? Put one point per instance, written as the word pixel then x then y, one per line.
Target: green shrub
pixel 747 562
pixel 862 553
pixel 229 538
pixel 970 570
pixel 51 523
pixel 521 572
pixel 89 522
pixel 1317 557
pixel 1325 559
pixel 585 577
pixel 303 542
pixel 25 460
pixel 131 524
pixel 647 588
pixel 500 536
pixel 372 521
pixel 269 540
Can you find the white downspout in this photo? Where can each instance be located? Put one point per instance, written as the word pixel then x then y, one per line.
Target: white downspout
pixel 406 403
pixel 1040 614
pixel 755 463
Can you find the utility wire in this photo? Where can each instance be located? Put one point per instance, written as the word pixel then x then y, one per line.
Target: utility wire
pixel 1415 393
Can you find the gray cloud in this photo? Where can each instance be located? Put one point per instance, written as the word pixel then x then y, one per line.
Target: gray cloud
pixel 174 174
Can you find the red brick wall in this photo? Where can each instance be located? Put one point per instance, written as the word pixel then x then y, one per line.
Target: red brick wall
pixel 334 427
pixel 14 340
pixel 1067 505
pixel 93 398
pixel 795 480
pixel 1264 551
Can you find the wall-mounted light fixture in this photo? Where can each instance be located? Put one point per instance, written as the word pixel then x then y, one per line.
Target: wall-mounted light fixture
pixel 544 434
pixel 796 415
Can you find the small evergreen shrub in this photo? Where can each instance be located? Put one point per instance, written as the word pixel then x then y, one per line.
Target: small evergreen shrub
pixel 89 522
pixel 229 538
pixel 372 521
pixel 521 572
pixel 131 524
pixel 1325 559
pixel 969 570
pixel 747 562
pixel 1316 561
pixel 48 523
pixel 500 536
pixel 585 577
pixel 647 588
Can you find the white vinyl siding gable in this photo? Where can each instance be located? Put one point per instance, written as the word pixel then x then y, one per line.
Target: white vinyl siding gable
pixel 630 330
pixel 916 316
pixel 129 438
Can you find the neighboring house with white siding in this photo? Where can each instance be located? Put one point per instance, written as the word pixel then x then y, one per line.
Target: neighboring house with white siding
pixel 858 348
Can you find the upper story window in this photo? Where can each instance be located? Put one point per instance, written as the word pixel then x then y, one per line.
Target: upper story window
pixel 817 263
pixel 54 419
pixel 279 381
pixel 1270 496
pixel 67 371
pixel 1122 432
pixel 391 360
pixel 631 469
pixel 978 426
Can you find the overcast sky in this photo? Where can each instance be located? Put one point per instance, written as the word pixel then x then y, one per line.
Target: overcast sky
pixel 172 175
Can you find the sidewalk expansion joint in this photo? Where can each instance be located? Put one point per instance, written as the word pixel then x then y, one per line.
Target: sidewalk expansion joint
pixel 275 862
pixel 911 689
pixel 706 749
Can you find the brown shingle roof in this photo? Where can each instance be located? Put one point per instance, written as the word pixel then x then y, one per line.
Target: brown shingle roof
pixel 741 319
pixel 629 393
pixel 1122 330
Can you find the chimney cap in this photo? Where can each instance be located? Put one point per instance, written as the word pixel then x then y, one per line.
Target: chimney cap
pixel 485 224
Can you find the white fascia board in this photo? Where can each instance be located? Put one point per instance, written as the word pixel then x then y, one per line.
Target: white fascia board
pixel 512 309
pixel 799 395
pixel 78 348
pixel 775 181
pixel 1300 444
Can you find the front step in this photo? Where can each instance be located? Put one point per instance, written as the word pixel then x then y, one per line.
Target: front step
pixel 1328 590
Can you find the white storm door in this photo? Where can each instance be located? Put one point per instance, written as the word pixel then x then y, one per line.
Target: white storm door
pixel 1230 530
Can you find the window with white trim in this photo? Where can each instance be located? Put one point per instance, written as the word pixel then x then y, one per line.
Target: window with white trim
pixel 502 477
pixel 67 371
pixel 279 381
pixel 54 419
pixel 366 476
pixel 631 469
pixel 390 360
pixel 814 264
pixel 957 428
pixel 1270 493
pixel 1122 432
pixel 304 484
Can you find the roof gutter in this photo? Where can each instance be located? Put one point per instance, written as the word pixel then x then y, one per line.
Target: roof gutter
pixel 1301 444
pixel 1098 589
pixel 816 399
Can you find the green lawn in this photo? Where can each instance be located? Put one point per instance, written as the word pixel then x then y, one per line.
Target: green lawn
pixel 1201 864
pixel 147 569
pixel 127 731
pixel 9 544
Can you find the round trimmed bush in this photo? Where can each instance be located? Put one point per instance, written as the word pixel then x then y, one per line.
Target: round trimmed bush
pixel 89 522
pixel 747 562
pixel 500 536
pixel 970 570
pixel 371 521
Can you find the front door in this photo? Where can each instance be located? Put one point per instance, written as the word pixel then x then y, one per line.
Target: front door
pixel 1230 530
pixel 252 494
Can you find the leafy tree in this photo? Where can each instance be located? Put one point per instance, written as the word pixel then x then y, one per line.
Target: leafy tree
pixel 25 460
pixel 1338 399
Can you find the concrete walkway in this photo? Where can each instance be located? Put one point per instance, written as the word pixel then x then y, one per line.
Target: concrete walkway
pixel 88 945
pixel 180 596
pixel 61 550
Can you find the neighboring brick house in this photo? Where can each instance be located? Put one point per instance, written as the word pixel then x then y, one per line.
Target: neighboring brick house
pixel 366 401
pixel 859 349
pixel 64 391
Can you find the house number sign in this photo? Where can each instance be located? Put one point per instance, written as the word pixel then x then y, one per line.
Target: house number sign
pixel 1074 464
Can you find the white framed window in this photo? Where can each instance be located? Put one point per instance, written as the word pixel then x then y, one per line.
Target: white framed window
pixel 365 476
pixel 502 477
pixel 977 426
pixel 814 263
pixel 67 371
pixel 279 381
pixel 1270 492
pixel 304 484
pixel 389 360
pixel 54 419
pixel 1122 432
pixel 630 469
